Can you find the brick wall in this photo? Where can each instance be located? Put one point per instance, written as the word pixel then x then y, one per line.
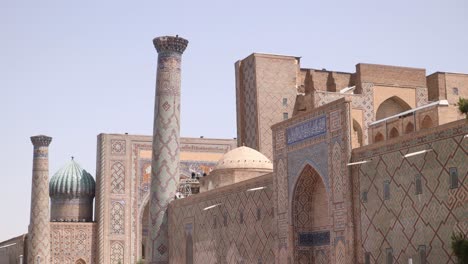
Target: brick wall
pixel 407 221
pixel 238 230
pixel 12 249
pixel 391 75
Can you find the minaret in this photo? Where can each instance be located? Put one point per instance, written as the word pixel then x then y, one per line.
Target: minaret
pixel 166 130
pixel 39 234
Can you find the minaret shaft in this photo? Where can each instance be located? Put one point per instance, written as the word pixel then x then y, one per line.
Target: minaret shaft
pixel 39 226
pixel 166 130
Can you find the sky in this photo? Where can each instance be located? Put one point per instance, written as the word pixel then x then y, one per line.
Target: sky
pixel 74 69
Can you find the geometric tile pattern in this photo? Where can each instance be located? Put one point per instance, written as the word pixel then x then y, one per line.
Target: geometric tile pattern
pixel 117 218
pixel 117 253
pixel 232 232
pixel 421 96
pixel 267 92
pixel 71 242
pixel 324 157
pixel 249 107
pixel 118 178
pixel 363 101
pixel 166 145
pixel 305 214
pixel 409 220
pixel 338 185
pixel 274 84
pixel 118 146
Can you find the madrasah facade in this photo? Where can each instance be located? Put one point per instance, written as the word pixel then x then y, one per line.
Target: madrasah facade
pixel 328 167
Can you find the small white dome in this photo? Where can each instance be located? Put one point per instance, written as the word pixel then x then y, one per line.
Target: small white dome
pixel 244 158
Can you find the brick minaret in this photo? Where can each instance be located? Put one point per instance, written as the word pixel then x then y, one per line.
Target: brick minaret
pixel 166 130
pixel 39 234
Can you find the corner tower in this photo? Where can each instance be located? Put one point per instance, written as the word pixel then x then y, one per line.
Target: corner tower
pixel 39 233
pixel 166 130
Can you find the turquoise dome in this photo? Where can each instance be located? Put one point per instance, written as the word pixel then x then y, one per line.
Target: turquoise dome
pixel 72 181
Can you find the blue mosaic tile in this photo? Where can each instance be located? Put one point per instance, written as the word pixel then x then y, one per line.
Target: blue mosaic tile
pixel 306 130
pixel 313 239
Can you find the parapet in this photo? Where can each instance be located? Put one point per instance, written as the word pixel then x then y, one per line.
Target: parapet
pixel 170 44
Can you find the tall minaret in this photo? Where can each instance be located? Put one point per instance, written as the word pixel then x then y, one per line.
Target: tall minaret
pixel 166 130
pixel 39 233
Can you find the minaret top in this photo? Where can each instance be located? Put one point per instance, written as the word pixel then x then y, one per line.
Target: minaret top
pixel 170 44
pixel 41 141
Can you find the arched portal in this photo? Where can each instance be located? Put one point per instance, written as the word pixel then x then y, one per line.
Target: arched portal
pixel 392 106
pixel 311 219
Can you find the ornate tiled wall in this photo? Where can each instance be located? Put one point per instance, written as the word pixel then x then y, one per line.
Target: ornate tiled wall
pixel 71 242
pixel 362 102
pixel 312 149
pixel 238 230
pixel 123 175
pixel 409 220
pixel 248 104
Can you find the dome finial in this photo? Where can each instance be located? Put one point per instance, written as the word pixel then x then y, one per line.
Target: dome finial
pixel 73 158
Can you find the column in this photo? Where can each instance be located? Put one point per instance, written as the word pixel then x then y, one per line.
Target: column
pixel 39 224
pixel 166 130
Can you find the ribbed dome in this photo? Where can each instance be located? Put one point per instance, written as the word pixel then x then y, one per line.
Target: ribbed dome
pixel 244 158
pixel 72 181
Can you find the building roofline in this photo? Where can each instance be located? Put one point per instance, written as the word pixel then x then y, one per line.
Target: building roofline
pixel 436 103
pixel 455 73
pixel 394 66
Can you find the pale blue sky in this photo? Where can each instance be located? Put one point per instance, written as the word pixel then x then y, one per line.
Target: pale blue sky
pixel 74 69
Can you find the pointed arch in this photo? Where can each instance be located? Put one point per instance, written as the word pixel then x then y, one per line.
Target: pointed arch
pixel 426 122
pixel 394 133
pixel 378 137
pixel 310 213
pixel 392 106
pixel 409 128
pixel 80 261
pixel 357 135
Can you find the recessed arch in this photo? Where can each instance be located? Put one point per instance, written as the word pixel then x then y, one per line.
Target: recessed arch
pixel 392 106
pixel 144 230
pixel 409 128
pixel 310 214
pixel 357 134
pixel 426 122
pixel 394 133
pixel 378 137
pixel 80 261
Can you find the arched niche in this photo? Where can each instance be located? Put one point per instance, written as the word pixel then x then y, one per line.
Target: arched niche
pixel 392 106
pixel 357 135
pixel 394 133
pixel 378 137
pixel 426 122
pixel 310 217
pixel 409 128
